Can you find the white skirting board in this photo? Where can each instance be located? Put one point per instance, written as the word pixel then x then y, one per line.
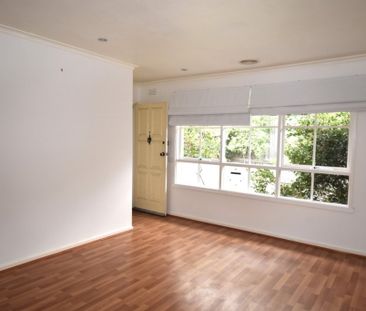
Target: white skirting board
pixel 285 237
pixel 64 248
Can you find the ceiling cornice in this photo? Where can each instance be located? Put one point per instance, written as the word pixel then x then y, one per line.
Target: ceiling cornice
pixel 256 69
pixel 30 36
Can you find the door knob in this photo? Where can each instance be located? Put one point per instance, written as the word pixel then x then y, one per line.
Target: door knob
pixel 163 154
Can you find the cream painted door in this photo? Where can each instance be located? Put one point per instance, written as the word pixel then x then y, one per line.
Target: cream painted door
pixel 150 158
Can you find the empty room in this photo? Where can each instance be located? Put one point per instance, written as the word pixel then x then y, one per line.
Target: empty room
pixel 182 155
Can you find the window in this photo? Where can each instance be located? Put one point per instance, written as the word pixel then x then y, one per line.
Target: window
pixel 303 157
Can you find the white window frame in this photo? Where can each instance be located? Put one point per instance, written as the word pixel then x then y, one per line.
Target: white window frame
pixel 279 166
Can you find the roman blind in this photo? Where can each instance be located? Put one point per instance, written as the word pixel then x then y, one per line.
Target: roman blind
pixel 216 106
pixel 310 96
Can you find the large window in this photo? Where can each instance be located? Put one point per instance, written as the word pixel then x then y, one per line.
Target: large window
pixel 303 157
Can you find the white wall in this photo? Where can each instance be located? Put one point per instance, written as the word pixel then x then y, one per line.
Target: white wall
pixel 334 229
pixel 66 147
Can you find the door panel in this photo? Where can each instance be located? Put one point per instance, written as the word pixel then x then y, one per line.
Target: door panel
pixel 143 123
pixel 150 160
pixel 156 182
pixel 157 131
pixel 142 179
pixel 157 162
pixel 142 155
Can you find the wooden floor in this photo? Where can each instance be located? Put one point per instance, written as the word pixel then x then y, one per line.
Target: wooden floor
pixel 176 264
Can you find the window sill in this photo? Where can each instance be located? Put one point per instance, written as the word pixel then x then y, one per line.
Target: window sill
pixel 292 201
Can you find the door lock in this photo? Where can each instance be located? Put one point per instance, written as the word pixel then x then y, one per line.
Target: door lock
pixel 149 139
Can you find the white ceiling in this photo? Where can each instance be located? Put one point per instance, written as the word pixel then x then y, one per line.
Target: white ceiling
pixel 205 36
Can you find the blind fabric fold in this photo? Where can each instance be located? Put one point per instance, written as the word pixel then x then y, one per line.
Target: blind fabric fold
pixel 234 105
pixel 210 119
pixel 216 106
pixel 210 101
pixel 311 108
pixel 310 96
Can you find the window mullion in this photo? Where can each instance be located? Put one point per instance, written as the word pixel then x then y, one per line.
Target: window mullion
pixel 221 155
pixel 350 154
pixel 250 146
pixel 351 140
pixel 312 187
pixel 180 146
pixel 280 152
pixel 314 158
pixel 200 142
pixel 314 146
pixel 283 133
pixel 178 150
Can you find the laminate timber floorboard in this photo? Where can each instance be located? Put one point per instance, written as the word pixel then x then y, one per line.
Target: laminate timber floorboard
pixel 170 263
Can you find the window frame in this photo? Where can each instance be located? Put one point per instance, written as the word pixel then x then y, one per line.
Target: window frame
pixel 279 166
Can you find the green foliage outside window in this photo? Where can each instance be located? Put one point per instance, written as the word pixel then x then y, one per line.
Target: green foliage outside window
pixel 254 145
pixel 331 151
pixel 237 145
pixel 263 181
pixel 331 188
pixel 300 188
pixel 202 143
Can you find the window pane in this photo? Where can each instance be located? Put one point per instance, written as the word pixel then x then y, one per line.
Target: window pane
pixel 334 119
pixel 300 119
pixel 210 144
pixel 237 144
pixel 298 146
pixel 263 181
pixel 264 120
pixel 201 143
pixel 191 142
pixel 199 175
pixel 331 188
pixel 295 184
pixel 235 179
pixel 332 147
pixel 263 145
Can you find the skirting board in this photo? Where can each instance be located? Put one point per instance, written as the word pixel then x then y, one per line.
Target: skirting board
pixel 64 248
pixel 280 236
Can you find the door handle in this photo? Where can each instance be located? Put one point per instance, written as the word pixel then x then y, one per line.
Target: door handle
pixel 163 154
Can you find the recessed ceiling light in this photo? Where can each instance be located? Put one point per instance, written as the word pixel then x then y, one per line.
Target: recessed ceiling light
pixel 249 61
pixel 102 39
pixel 183 69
